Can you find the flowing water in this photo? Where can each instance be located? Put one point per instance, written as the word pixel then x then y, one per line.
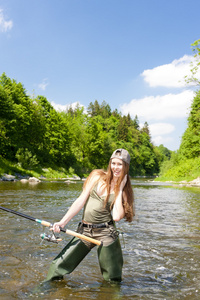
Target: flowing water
pixel 161 247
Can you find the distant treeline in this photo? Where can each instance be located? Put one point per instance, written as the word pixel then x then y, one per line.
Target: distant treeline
pixel 34 134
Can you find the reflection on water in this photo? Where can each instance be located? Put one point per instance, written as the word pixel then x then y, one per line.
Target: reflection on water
pixel 161 247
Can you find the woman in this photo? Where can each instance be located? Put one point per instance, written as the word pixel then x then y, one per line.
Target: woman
pixel 106 197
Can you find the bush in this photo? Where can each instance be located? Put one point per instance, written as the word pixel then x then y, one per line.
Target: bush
pixel 26 159
pixel 71 171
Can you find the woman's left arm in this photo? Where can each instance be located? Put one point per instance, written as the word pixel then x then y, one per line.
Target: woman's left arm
pixel 118 209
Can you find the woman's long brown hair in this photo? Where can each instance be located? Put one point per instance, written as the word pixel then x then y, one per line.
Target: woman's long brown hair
pixel 128 203
pixel 106 178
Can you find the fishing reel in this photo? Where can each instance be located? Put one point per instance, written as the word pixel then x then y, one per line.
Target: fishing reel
pixel 50 238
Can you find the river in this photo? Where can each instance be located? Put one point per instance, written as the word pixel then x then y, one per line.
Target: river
pixel 161 246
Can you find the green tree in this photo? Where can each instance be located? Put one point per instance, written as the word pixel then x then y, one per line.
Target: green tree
pixel 146 130
pixel 136 123
pixel 123 129
pixel 192 79
pixel 76 121
pixel 105 110
pixel 56 140
pixel 190 144
pixel 189 150
pixel 16 114
pixel 94 109
pixel 6 114
pixel 99 144
pixel 165 152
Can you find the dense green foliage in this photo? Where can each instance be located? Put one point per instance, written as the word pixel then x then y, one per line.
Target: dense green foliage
pixel 187 169
pixel 33 134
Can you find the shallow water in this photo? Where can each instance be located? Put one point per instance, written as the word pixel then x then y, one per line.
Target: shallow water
pixel 161 247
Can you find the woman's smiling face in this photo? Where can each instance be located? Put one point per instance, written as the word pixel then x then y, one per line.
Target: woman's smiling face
pixel 116 167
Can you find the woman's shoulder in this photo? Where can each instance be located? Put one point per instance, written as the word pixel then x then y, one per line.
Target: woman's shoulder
pixel 94 177
pixel 97 174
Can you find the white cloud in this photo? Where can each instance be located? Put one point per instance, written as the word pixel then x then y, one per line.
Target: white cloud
pixel 159 132
pixel 170 75
pixel 44 84
pixel 158 140
pixel 5 25
pixel 60 107
pixel 160 107
pixel 161 128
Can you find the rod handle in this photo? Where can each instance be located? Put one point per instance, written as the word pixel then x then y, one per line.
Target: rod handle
pixel 83 237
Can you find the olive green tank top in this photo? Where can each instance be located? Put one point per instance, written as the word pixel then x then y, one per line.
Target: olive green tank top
pixel 94 210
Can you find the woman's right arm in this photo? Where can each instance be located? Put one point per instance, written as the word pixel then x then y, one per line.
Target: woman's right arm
pixel 75 207
pixel 73 210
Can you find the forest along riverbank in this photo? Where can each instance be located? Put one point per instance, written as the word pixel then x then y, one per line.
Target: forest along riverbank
pixel 161 247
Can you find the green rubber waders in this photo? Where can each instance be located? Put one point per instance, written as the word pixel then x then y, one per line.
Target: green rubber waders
pixel 111 261
pixel 68 259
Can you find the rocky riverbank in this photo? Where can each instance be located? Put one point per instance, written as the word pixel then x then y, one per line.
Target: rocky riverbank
pixel 7 177
pixel 195 182
pixel 26 179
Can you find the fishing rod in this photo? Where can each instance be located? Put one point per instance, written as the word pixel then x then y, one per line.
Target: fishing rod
pixel 47 224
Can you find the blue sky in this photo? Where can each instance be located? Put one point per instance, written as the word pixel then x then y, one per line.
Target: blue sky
pixel 132 54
